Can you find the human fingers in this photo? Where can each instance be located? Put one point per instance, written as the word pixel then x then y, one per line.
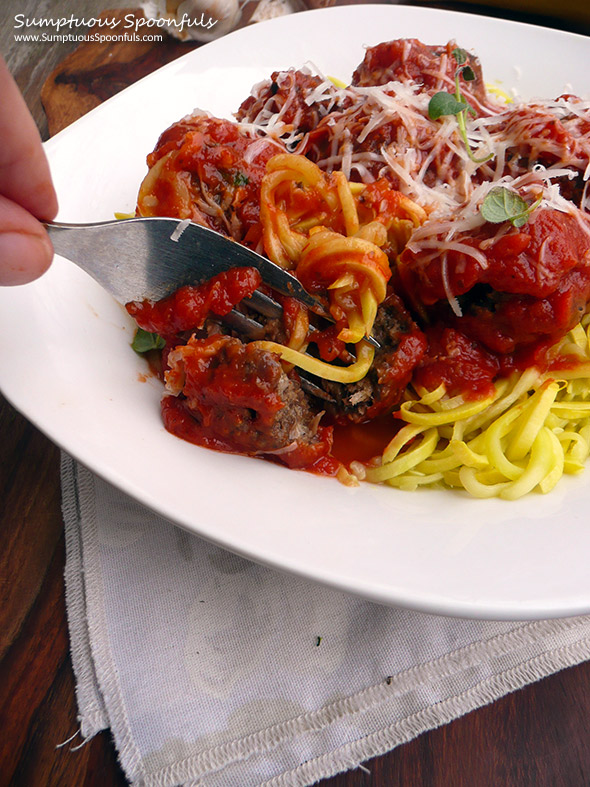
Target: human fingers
pixel 24 172
pixel 25 248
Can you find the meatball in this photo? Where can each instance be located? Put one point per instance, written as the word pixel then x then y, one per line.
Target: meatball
pixel 240 400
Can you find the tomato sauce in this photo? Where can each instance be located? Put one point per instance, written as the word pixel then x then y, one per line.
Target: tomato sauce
pixel 363 442
pixel 463 365
pixel 536 282
pixel 212 176
pixel 187 308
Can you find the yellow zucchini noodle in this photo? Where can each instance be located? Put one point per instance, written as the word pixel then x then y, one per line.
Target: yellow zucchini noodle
pixel 532 430
pixel 311 224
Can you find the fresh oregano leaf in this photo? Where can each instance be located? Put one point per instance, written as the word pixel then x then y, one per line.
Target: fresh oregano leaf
pixel 144 341
pixel 460 56
pixel 502 204
pixel 444 104
pixel 520 221
pixel 468 74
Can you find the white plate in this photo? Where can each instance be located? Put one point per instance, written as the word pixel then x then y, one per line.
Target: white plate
pixel 66 361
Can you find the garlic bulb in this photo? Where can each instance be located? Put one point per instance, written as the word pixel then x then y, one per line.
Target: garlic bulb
pixel 196 20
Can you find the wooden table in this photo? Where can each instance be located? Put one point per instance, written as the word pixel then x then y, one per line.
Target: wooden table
pixel 536 736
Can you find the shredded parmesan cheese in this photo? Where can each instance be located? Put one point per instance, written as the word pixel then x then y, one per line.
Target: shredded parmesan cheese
pixel 179 229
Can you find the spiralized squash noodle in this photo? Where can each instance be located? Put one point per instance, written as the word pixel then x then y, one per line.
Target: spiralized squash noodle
pixel 330 249
pixel 534 429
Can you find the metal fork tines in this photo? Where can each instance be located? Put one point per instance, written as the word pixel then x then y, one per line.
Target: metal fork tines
pixel 149 258
pixel 251 329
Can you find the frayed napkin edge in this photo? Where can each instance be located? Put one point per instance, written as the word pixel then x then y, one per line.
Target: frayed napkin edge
pixel 96 677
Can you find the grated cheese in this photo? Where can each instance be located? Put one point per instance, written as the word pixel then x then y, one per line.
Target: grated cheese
pixel 385 131
pixel 179 229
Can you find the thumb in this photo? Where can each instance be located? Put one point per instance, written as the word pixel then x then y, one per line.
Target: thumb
pixel 25 249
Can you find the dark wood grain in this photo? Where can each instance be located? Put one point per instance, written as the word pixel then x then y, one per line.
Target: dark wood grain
pixel 97 70
pixel 536 737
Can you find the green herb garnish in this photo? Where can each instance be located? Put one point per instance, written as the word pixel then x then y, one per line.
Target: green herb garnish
pixel 460 56
pixel 502 204
pixel 442 103
pixel 144 341
pixel 240 179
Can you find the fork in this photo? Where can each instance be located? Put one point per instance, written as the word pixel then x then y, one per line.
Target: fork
pixel 149 258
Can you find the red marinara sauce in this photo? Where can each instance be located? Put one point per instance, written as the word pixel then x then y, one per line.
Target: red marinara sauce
pixel 187 308
pixel 535 285
pixel 230 396
pixel 235 398
pixel 208 158
pixel 459 362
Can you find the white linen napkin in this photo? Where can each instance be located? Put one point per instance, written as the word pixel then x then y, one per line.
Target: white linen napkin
pixel 214 671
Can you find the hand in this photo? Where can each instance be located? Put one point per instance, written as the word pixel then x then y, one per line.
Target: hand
pixel 26 190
